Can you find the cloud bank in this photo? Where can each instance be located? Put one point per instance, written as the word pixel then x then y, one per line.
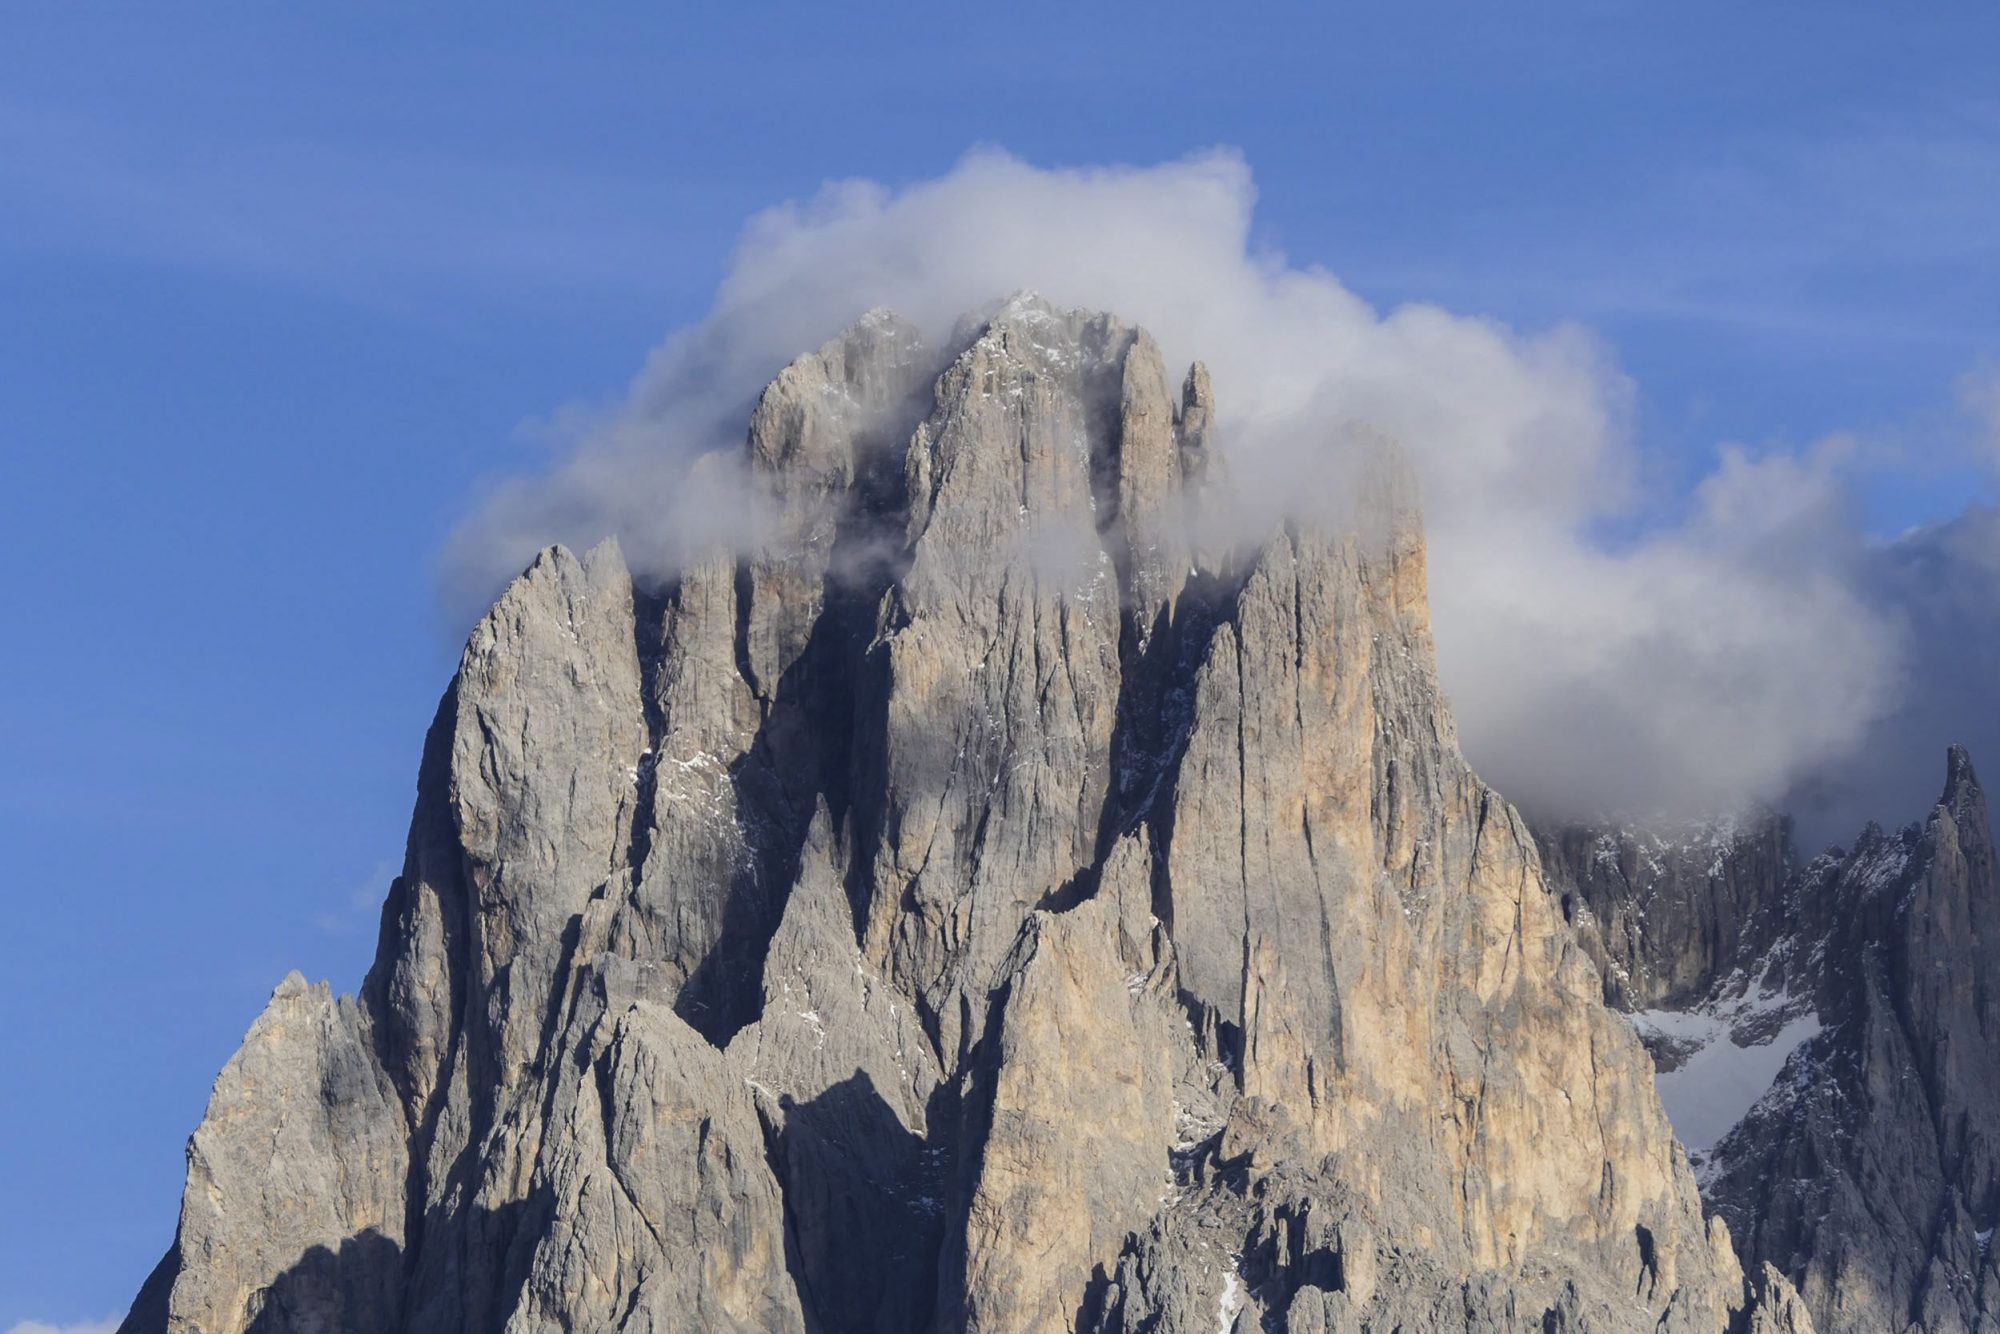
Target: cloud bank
pixel 1736 652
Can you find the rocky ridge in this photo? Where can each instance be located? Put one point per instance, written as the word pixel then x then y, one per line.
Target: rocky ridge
pixel 1852 998
pixel 974 903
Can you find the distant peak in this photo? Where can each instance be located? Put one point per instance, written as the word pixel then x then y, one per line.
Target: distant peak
pixel 881 324
pixel 1022 307
pixel 1960 782
pixel 1026 304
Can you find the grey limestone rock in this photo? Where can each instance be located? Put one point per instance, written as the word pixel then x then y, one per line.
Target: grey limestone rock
pixel 1668 911
pixel 295 1181
pixel 1861 1185
pixel 985 898
pixel 1867 1175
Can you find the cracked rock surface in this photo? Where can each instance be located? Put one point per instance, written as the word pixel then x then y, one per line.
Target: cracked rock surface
pixel 1828 1038
pixel 973 903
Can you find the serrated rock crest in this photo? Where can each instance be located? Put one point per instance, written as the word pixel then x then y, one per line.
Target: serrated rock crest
pixel 977 902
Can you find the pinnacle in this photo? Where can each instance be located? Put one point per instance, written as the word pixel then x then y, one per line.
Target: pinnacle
pixel 1961 784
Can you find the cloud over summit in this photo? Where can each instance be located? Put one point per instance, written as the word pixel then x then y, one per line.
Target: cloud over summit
pixel 1722 656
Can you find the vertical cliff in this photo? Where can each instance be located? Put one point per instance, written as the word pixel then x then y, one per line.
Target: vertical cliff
pixel 1868 1173
pixel 1827 1041
pixel 971 903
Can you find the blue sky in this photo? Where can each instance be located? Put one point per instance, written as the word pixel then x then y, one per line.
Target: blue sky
pixel 278 290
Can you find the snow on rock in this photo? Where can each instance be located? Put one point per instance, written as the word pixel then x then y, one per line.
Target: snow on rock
pixel 1231 1300
pixel 1723 1059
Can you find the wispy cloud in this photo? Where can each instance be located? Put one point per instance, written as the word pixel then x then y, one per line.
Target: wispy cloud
pixel 357 907
pixel 1979 397
pixel 1871 230
pixel 1726 650
pixel 104 1326
pixel 365 228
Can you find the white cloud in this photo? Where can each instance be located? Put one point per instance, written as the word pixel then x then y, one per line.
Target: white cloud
pixel 1936 586
pixel 105 1326
pixel 1717 659
pixel 359 905
pixel 1979 396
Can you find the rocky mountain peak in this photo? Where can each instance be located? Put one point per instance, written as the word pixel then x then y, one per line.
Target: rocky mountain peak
pixel 1962 793
pixel 1824 1044
pixel 977 899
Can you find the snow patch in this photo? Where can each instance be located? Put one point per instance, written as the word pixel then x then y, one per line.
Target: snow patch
pixel 1231 1300
pixel 1719 1081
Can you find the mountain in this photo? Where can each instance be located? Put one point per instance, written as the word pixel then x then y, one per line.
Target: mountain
pixel 985 898
pixel 1828 1036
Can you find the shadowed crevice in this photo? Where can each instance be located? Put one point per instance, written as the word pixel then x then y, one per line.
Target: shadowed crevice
pixel 353 1287
pixel 864 1215
pixel 811 745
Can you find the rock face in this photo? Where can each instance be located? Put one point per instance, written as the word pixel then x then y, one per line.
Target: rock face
pixel 1704 938
pixel 973 904
pixel 1667 912
pixel 1860 1162
pixel 1869 1172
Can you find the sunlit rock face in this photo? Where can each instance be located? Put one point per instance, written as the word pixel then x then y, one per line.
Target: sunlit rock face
pixel 999 893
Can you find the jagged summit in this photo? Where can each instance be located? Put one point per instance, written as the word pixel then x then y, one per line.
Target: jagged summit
pixel 1868 1171
pixel 1825 1042
pixel 976 899
pixel 1961 784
